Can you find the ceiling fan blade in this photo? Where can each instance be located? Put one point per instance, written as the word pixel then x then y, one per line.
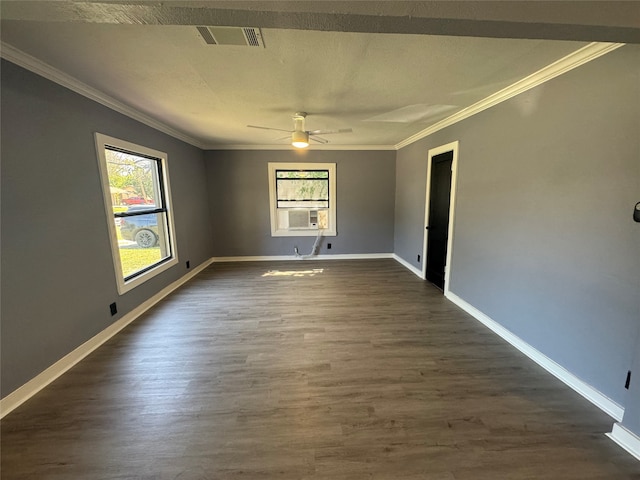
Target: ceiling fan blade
pixel 318 139
pixel 327 132
pixel 268 128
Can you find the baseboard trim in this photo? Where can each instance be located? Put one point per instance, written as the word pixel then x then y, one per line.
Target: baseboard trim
pixel 277 258
pixel 408 266
pixel 587 391
pixel 626 439
pixel 33 386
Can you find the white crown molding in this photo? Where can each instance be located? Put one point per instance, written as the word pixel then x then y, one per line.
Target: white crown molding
pixel 310 147
pixel 559 67
pixel 45 70
pixel 565 64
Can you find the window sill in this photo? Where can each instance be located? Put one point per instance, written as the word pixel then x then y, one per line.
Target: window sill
pixel 124 287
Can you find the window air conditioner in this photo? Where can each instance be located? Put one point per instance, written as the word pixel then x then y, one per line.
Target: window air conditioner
pixel 303 219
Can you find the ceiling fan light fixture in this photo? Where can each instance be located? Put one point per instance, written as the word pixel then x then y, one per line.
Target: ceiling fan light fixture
pixel 299 136
pixel 300 139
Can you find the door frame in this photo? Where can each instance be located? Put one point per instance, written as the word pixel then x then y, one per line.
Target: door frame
pixel 449 147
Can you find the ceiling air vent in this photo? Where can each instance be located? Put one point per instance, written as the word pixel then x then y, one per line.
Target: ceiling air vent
pixel 243 36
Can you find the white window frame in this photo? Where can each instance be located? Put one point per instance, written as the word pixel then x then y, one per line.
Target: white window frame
pixel 103 141
pixel 331 231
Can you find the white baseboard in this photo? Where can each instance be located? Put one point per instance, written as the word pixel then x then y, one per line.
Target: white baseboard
pixel 33 386
pixel 626 439
pixel 408 266
pixel 587 391
pixel 274 258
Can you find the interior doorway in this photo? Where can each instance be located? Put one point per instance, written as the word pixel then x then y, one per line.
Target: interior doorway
pixel 439 210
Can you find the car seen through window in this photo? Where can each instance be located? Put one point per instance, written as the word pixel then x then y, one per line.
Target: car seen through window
pixel 142 229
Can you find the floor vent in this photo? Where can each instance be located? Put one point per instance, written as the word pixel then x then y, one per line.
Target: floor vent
pixel 240 36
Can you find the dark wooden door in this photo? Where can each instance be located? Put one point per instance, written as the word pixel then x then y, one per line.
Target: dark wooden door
pixel 438 228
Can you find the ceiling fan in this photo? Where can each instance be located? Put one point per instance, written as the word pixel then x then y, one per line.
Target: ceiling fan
pixel 299 136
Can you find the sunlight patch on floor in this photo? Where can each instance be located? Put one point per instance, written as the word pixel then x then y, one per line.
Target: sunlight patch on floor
pixel 293 273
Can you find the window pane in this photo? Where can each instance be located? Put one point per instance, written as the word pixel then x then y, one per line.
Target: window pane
pixel 142 241
pixel 302 190
pixel 306 187
pixel 302 174
pixel 136 192
pixel 133 180
pixel 135 188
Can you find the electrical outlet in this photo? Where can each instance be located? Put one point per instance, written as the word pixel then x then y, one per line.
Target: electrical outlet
pixel 328 246
pixel 113 308
pixel 418 258
pixel 188 264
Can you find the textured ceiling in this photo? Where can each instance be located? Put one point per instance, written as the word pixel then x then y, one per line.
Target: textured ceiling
pixel 385 86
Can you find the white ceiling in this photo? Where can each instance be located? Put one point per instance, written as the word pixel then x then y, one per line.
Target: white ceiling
pixel 385 86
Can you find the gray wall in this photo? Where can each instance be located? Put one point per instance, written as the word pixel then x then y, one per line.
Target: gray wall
pixel 57 272
pixel 239 202
pixel 543 238
pixel 411 181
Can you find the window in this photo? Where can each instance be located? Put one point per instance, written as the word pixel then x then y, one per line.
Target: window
pixel 135 184
pixel 302 199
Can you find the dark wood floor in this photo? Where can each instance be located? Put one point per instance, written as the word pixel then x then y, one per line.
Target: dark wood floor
pixel 309 370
